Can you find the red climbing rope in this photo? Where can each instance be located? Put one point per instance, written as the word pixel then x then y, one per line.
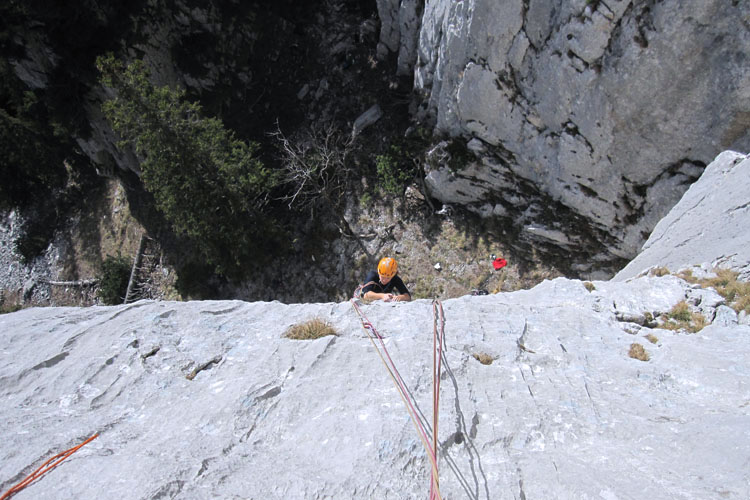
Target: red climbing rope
pixel 44 468
pixel 438 342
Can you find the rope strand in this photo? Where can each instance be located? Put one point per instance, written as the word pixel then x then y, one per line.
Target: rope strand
pixel 45 468
pixel 430 445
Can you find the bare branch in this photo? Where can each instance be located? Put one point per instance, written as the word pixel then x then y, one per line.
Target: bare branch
pixel 314 165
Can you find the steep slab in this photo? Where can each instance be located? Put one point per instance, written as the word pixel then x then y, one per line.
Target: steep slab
pixel 561 412
pixel 710 225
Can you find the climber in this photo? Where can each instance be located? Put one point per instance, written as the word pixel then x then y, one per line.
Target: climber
pixel 380 284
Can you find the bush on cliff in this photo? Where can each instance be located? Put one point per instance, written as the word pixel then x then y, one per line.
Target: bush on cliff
pixel 209 185
pixel 113 280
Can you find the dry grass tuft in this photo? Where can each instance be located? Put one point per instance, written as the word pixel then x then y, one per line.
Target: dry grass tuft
pixel 638 352
pixel 680 312
pixel 687 275
pixel 483 358
pixel 726 284
pixel 681 318
pixel 652 338
pixel 311 329
pixel 742 303
pixel 737 293
pixel 9 308
pixel 659 271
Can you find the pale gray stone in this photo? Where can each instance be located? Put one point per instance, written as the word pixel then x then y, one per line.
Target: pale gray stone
pixel 366 119
pixel 556 415
pixel 710 224
pixel 389 25
pixel 28 288
pixel 725 316
pixel 303 91
pixel 409 24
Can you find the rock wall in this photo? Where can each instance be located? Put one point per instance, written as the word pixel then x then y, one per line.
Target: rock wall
pixel 709 226
pixel 579 123
pixel 609 108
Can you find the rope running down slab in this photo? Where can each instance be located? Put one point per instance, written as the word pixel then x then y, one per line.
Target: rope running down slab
pixel 45 468
pixel 385 357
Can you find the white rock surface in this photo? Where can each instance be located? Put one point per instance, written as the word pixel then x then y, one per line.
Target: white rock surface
pixel 562 412
pixel 710 224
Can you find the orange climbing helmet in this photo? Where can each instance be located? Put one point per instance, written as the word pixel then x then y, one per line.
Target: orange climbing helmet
pixel 387 267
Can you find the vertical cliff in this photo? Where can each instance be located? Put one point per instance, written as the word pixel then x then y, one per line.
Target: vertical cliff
pixel 608 110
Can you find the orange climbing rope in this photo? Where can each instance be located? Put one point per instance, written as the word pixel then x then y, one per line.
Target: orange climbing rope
pixel 438 342
pixel 45 467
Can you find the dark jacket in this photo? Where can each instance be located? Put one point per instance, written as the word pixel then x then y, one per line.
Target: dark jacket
pixel 373 284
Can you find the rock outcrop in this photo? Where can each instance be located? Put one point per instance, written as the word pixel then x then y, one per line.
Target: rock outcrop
pixel 578 123
pixel 568 390
pixel 561 412
pixel 609 108
pixel 710 224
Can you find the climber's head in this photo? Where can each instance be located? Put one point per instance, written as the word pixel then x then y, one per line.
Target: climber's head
pixel 387 269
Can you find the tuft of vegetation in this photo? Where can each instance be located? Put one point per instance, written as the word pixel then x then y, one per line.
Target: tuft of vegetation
pixel 680 317
pixel 659 271
pixel 742 302
pixel 589 286
pixel 726 284
pixel 737 293
pixel 652 338
pixel 680 312
pixel 113 281
pixel 638 352
pixel 8 308
pixel 483 358
pixel 311 329
pixel 394 170
pixel 648 320
pixel 209 185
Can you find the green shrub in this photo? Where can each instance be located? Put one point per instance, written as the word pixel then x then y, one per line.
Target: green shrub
pixel 394 172
pixel 365 200
pixel 209 185
pixel 113 281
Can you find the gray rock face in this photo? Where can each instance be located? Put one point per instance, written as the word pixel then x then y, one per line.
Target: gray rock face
pixel 207 400
pixel 562 411
pixel 710 224
pixel 609 108
pixel 399 25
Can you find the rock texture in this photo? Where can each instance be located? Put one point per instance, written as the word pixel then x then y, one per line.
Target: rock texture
pixel 610 108
pixel 579 122
pixel 206 400
pixel 710 224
